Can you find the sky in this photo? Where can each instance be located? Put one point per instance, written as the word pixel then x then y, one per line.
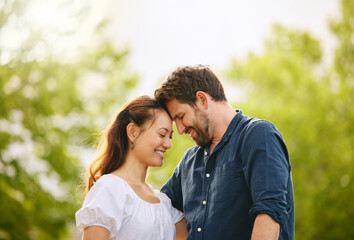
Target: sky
pixel 163 35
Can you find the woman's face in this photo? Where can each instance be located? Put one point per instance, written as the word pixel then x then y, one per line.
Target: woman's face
pixel 154 140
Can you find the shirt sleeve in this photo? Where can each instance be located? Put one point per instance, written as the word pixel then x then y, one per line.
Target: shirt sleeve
pixel 175 213
pixel 172 188
pixel 103 206
pixel 267 170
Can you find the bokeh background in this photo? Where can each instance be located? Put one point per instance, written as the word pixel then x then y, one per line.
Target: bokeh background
pixel 66 68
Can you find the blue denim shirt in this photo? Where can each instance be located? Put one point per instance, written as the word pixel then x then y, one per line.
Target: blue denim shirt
pixel 247 173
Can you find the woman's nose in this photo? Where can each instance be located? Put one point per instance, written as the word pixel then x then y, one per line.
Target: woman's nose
pixel 167 143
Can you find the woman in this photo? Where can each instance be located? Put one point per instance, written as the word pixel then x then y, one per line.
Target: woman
pixel 120 204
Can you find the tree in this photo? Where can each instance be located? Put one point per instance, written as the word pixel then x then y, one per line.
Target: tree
pixel 311 105
pixel 49 107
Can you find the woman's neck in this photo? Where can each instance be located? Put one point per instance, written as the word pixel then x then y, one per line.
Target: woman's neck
pixel 132 171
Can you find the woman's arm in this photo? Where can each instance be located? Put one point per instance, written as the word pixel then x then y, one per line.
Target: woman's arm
pixel 95 233
pixel 181 230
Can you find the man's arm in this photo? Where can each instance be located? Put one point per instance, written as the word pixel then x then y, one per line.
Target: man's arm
pixel 172 188
pixel 265 228
pixel 267 170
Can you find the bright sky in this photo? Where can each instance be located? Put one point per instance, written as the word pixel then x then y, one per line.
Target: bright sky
pixel 163 34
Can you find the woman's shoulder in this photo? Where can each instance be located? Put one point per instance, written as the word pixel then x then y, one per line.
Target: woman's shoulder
pixel 164 199
pixel 108 185
pixel 105 205
pixel 109 180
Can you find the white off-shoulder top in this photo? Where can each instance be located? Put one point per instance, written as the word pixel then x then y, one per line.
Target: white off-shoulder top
pixel 113 204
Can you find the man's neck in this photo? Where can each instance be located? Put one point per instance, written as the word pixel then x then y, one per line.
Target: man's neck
pixel 221 116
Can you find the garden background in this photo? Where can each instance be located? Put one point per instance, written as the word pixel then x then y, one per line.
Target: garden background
pixel 63 76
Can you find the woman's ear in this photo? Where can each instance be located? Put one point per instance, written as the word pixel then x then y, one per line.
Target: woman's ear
pixel 132 132
pixel 202 98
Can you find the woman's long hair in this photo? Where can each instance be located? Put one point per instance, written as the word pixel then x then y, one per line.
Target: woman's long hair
pixel 115 144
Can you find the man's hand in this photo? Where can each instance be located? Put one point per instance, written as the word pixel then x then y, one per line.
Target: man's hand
pixel 265 228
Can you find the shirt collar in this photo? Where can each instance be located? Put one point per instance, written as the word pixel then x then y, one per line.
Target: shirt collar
pixel 232 126
pixel 229 131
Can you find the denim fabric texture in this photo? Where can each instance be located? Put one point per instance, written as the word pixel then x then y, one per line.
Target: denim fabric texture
pixel 247 173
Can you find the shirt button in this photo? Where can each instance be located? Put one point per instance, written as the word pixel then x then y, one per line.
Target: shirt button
pixel 204 202
pixel 199 229
pixel 207 175
pixel 205 153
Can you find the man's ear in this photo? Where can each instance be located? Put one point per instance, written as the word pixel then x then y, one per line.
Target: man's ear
pixel 202 98
pixel 132 131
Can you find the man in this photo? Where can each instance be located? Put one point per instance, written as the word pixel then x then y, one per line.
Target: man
pixel 236 184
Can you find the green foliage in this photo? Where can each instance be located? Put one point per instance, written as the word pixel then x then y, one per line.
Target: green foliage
pixel 48 108
pixel 312 107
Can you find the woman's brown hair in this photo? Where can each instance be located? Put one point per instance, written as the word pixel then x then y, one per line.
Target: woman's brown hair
pixel 115 144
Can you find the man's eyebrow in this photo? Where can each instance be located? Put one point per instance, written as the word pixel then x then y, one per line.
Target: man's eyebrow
pixel 176 116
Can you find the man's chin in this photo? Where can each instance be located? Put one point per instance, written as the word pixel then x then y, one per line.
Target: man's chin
pixel 200 143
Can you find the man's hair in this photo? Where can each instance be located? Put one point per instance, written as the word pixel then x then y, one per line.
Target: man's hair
pixel 184 82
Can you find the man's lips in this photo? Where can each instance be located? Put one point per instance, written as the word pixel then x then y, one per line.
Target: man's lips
pixel 190 131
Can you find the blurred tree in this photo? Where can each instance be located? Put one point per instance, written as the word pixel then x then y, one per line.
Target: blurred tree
pixel 49 105
pixel 312 106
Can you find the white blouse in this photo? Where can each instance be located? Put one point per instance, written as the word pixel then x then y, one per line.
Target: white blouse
pixel 113 204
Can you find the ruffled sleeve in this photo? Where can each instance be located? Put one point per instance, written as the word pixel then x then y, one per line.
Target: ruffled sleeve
pixel 103 206
pixel 175 214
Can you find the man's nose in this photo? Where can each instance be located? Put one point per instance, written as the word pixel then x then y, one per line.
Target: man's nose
pixel 180 126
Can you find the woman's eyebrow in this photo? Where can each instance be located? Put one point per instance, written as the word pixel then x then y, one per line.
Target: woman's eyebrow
pixel 163 128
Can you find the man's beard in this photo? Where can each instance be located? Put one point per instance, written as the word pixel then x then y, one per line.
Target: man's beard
pixel 202 129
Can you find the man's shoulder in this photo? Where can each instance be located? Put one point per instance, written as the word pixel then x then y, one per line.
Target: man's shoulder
pixel 256 123
pixel 191 152
pixel 256 128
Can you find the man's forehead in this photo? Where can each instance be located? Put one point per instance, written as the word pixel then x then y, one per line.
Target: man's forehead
pixel 174 107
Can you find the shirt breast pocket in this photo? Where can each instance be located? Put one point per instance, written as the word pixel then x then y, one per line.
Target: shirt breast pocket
pixel 228 182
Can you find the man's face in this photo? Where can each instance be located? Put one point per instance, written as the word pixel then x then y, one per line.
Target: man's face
pixel 191 120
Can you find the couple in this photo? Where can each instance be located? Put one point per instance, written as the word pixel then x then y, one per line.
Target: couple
pixel 235 184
